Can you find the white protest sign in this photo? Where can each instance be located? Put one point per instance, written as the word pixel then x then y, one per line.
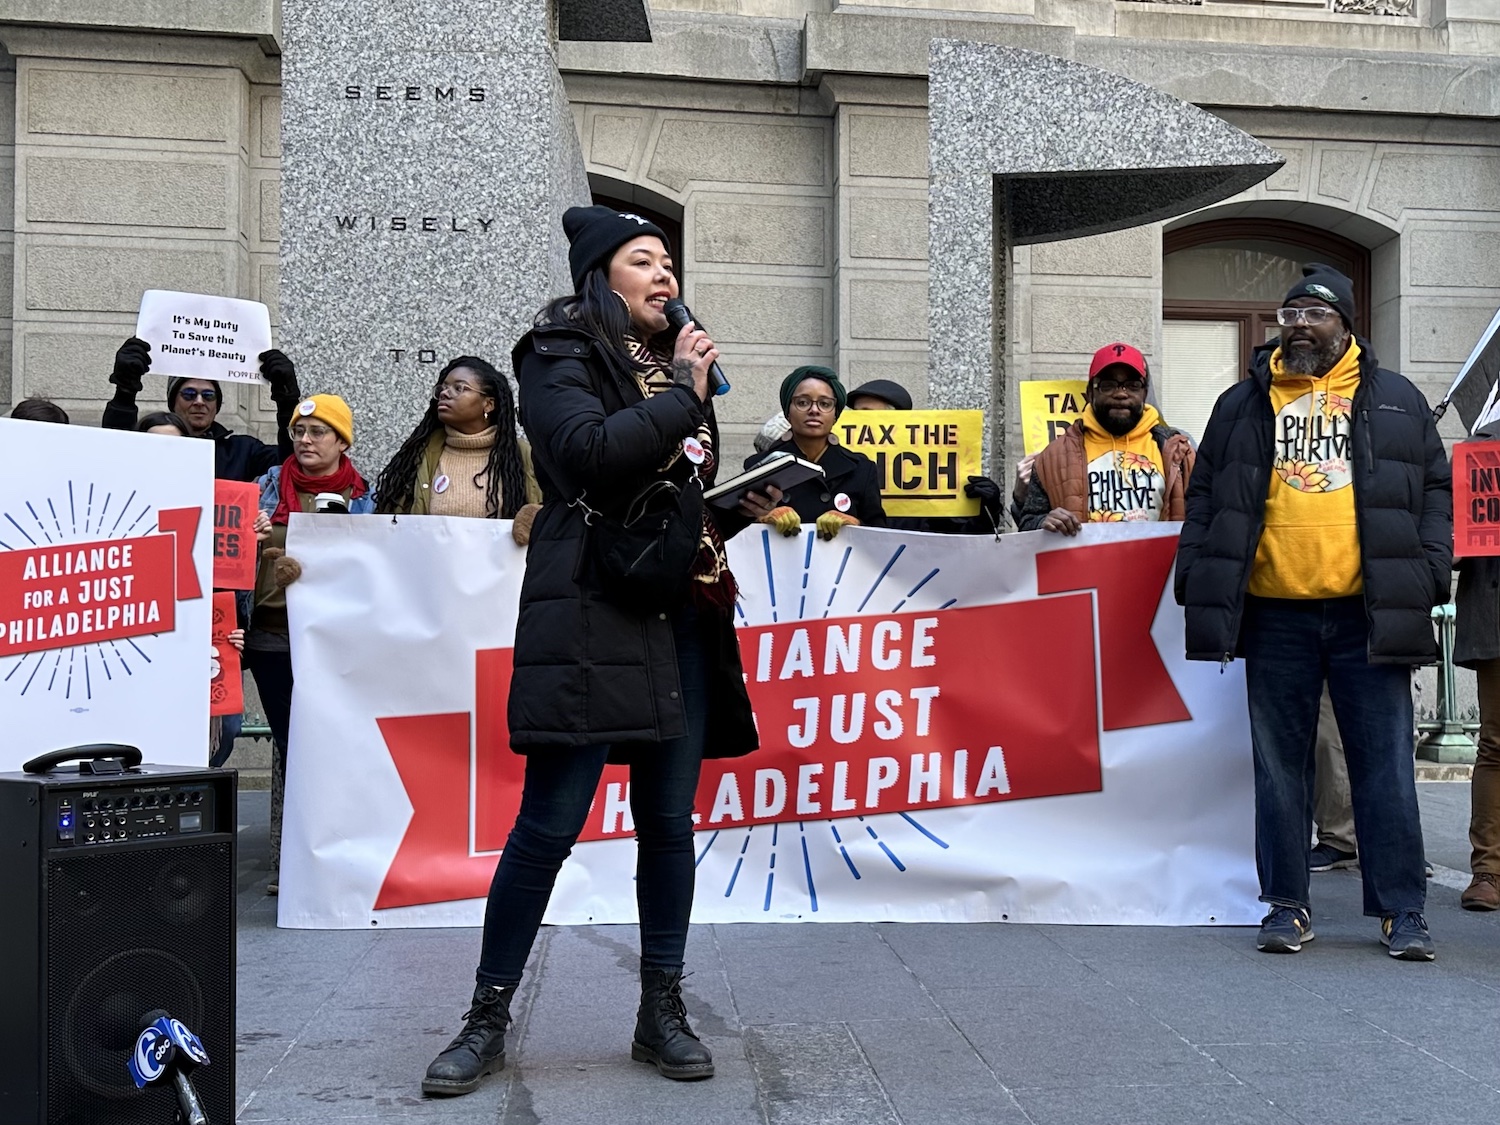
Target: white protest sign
pixel 197 336
pixel 106 568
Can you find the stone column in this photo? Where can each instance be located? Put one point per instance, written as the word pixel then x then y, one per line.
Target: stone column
pixel 1026 148
pixel 7 221
pixel 428 152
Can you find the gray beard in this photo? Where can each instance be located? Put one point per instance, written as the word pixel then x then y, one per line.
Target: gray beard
pixel 1315 362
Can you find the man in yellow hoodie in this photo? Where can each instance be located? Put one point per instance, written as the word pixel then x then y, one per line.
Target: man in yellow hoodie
pixel 1119 462
pixel 1318 537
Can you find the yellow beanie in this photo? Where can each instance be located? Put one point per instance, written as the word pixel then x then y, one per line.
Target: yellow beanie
pixel 331 410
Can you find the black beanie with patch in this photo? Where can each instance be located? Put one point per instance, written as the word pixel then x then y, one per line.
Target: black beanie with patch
pixel 595 233
pixel 1327 285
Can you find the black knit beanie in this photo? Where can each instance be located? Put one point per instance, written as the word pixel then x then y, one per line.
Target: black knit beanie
pixel 594 233
pixel 174 385
pixel 1327 285
pixel 886 390
pixel 812 371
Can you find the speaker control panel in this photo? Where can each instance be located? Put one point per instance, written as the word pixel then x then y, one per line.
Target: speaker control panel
pixel 121 811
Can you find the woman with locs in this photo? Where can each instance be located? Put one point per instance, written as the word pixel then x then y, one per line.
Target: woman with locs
pixel 614 402
pixel 463 458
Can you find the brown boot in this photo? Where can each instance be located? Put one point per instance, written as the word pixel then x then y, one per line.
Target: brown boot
pixel 1483 893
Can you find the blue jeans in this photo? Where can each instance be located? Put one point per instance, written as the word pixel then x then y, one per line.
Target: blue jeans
pixel 560 784
pixel 1291 647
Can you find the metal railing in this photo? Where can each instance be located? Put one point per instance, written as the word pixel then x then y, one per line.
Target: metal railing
pixel 1446 738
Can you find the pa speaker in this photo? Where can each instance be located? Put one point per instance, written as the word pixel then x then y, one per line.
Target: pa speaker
pixel 119 900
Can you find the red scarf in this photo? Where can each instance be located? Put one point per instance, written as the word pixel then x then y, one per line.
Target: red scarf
pixel 294 481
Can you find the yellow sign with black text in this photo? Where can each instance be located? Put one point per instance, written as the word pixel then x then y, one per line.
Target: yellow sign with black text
pixel 924 457
pixel 1048 407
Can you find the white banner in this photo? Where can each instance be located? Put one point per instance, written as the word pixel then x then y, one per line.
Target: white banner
pixel 106 564
pixel 198 336
pixel 953 729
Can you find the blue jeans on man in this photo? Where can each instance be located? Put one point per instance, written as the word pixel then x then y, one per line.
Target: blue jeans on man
pixel 1290 648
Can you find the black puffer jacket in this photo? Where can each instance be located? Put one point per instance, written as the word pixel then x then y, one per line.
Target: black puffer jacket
pixel 588 671
pixel 1403 511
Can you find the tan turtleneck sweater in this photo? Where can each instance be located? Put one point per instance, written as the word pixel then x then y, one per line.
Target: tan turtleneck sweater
pixel 462 462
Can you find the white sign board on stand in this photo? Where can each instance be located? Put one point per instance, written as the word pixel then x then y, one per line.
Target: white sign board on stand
pixel 197 336
pixel 106 569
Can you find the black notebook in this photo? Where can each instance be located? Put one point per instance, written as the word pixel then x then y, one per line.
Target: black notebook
pixel 780 470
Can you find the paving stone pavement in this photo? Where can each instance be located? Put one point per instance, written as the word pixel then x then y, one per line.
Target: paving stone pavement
pixel 881 1023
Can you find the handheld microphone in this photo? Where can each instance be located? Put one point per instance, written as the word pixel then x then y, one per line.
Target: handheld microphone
pixel 166 1047
pixel 678 314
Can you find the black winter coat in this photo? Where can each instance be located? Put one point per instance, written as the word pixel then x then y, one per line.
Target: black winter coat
pixel 1402 501
pixel 844 471
pixel 236 456
pixel 587 671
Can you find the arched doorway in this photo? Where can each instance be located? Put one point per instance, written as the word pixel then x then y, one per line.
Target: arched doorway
pixel 1221 284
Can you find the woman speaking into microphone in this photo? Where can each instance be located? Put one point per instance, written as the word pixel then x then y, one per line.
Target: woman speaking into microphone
pixel 625 648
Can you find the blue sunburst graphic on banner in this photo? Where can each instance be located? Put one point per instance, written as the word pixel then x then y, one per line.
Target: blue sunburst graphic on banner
pixel 774 863
pixel 82 513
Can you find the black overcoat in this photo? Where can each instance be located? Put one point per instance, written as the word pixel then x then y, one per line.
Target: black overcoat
pixel 1402 501
pixel 588 671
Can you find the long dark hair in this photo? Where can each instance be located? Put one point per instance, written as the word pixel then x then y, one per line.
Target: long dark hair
pixel 505 478
pixel 598 310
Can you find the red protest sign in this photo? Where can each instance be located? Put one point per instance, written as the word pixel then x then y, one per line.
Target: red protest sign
pixel 1476 498
pixel 235 505
pixel 226 690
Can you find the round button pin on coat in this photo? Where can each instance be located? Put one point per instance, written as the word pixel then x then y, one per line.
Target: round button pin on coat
pixel 842 502
pixel 441 484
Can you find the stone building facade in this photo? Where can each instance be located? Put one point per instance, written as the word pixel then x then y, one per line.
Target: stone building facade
pixel 787 140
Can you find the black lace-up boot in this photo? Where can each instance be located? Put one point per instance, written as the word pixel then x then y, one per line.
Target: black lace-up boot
pixel 479 1049
pixel 662 1035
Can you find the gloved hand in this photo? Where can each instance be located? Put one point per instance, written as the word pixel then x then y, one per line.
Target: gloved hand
pixel 520 528
pixel 279 371
pixel 284 568
pixel 831 522
pixel 987 492
pixel 783 519
pixel 131 362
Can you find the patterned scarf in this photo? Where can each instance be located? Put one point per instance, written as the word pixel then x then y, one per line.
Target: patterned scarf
pixel 714 586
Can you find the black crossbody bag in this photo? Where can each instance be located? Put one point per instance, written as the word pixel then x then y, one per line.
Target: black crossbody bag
pixel 644 559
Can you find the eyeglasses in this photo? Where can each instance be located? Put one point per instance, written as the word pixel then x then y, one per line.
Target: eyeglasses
pixel 312 433
pixel 1110 386
pixel 193 394
pixel 824 405
pixel 454 390
pixel 1312 316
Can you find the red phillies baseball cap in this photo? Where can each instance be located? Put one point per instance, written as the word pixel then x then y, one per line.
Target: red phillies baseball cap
pixel 1111 354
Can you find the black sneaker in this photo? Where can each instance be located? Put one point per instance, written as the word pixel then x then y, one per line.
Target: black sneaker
pixel 1284 930
pixel 1326 857
pixel 1406 935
